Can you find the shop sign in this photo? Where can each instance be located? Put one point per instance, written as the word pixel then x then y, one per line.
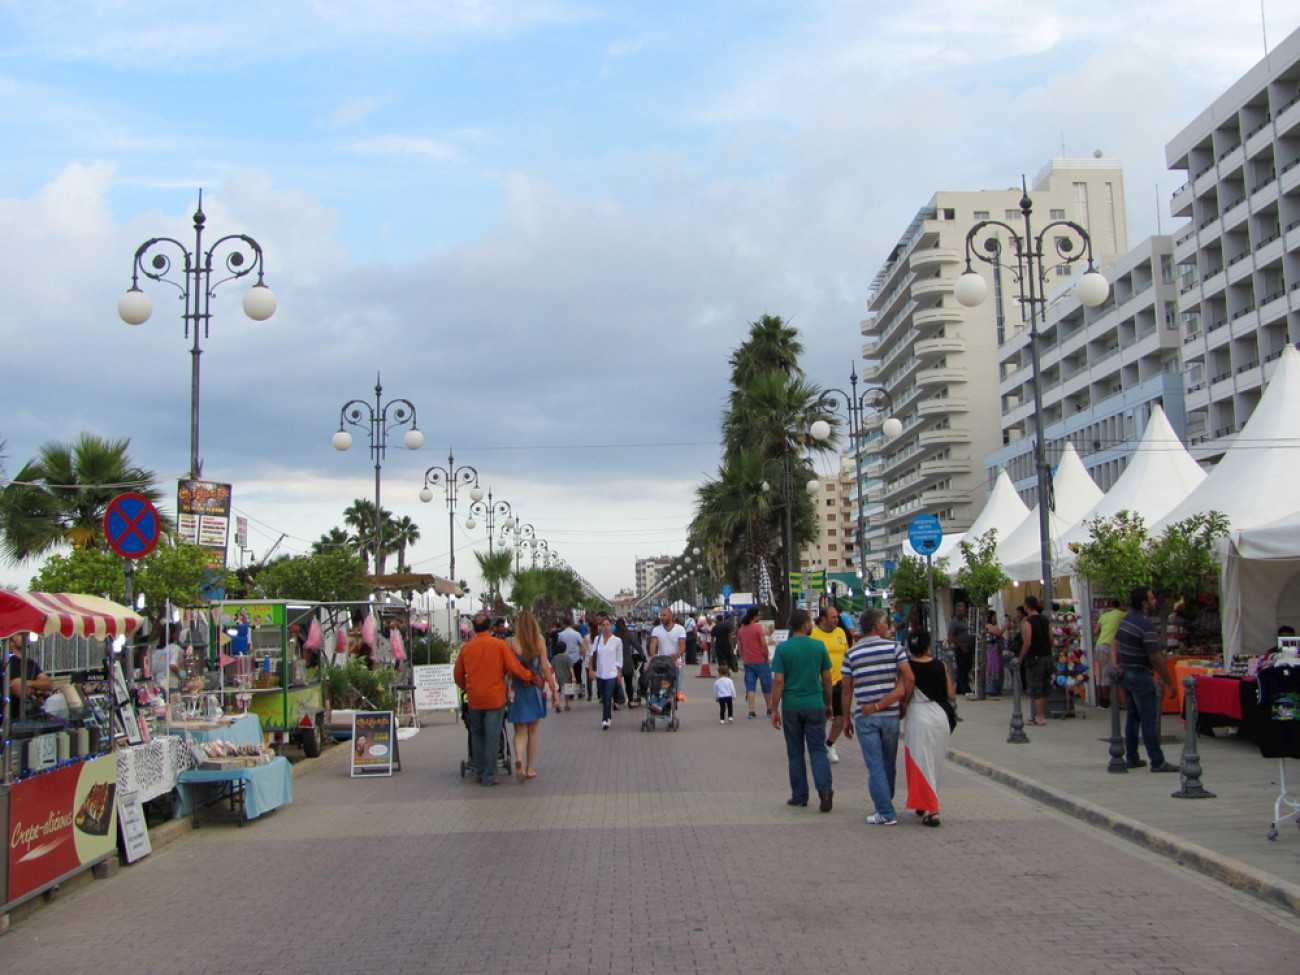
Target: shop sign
pixel 203 517
pixel 435 688
pixel 374 743
pixel 61 822
pixel 135 832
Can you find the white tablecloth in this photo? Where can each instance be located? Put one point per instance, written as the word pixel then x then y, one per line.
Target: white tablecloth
pixel 152 769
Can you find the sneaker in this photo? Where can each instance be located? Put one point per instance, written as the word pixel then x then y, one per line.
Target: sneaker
pixel 604 726
pixel 792 801
pixel 1165 767
pixel 834 756
pixel 721 721
pixel 752 714
pixel 875 819
pixel 1137 763
pixel 731 719
pixel 826 797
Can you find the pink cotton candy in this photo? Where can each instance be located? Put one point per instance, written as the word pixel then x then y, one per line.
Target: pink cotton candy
pixel 368 631
pixel 314 637
pixel 395 644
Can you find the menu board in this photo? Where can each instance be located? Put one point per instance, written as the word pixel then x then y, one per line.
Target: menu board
pixel 374 744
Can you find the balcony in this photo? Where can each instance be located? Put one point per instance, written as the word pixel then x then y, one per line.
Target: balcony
pixel 870 349
pixel 942 437
pixel 929 256
pixel 932 286
pixel 940 406
pixel 948 465
pixel 941 375
pixel 932 317
pixel 940 346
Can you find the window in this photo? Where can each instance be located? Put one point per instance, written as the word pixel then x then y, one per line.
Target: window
pixel 1063 270
pixel 1057 214
pixel 830 532
pixel 832 548
pixel 830 502
pixel 949 214
pixel 981 214
pixel 833 563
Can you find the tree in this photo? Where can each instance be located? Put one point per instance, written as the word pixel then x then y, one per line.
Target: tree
pixel 335 538
pixel 1182 558
pixel 495 570
pixel 911 583
pixel 982 578
pixel 59 498
pixel 360 516
pixel 545 592
pixel 1118 557
pixel 399 535
pixel 326 577
pixel 175 573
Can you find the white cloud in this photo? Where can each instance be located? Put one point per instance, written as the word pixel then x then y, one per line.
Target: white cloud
pixel 404 145
pixel 355 111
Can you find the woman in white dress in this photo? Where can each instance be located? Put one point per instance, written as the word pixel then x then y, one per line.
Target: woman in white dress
pixel 926 728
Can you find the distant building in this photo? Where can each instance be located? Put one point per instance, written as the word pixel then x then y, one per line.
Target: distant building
pixel 649 571
pixel 939 361
pixel 833 548
pixel 1102 370
pixel 1238 255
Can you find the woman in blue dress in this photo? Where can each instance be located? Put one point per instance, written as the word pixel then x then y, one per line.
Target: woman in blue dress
pixel 527 703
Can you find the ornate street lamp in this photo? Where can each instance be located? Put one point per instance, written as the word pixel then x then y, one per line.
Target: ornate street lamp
pixel 375 421
pixel 240 256
pixel 1029 269
pixel 452 479
pixel 857 406
pixel 490 512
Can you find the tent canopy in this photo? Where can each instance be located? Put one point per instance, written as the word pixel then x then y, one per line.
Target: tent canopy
pixel 1159 476
pixel 1076 494
pixel 1003 512
pixel 1255 482
pixel 64 613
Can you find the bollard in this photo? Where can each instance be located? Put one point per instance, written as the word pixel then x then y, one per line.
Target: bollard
pixel 1118 763
pixel 1190 767
pixel 1017 735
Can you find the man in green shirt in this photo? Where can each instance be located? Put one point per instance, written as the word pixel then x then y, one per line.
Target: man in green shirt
pixel 801 705
pixel 1103 635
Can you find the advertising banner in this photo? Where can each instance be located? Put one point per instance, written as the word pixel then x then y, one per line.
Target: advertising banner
pixel 435 688
pixel 203 517
pixel 60 822
pixel 374 743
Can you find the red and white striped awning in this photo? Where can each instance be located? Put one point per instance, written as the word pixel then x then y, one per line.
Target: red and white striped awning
pixel 47 613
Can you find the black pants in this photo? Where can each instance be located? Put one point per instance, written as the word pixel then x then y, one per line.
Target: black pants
pixel 965 658
pixel 724 708
pixel 629 684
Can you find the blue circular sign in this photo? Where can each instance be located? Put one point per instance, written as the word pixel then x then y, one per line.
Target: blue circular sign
pixel 131 525
pixel 925 533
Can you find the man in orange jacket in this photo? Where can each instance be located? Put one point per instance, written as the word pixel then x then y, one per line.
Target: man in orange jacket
pixel 481 669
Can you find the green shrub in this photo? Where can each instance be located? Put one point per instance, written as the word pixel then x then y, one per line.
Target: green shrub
pixel 356 686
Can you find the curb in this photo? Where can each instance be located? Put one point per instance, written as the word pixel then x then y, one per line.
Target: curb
pixel 1237 875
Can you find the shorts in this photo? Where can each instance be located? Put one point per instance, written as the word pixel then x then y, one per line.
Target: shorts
pixel 1101 664
pixel 1038 676
pixel 837 701
pixel 759 673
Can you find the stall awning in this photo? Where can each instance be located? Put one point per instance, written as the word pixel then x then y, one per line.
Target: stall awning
pixel 417 582
pixel 68 614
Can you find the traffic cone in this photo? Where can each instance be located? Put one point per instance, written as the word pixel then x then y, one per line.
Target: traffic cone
pixel 704 670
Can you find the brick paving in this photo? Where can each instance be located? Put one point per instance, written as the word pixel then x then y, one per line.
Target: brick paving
pixel 631 852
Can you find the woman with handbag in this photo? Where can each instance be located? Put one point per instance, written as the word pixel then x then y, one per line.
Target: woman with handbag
pixel 527 703
pixel 632 658
pixel 929 720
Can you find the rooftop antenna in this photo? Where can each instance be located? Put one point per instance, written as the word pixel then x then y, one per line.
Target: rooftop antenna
pixel 1263 26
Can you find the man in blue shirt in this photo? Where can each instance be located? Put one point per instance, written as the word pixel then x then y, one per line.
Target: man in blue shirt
pixel 877 678
pixel 801 680
pixel 1138 657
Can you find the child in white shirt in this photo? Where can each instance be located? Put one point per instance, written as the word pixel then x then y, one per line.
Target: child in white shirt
pixel 724 691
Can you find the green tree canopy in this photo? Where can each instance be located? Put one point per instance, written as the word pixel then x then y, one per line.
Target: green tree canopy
pixel 175 573
pixel 1118 557
pixel 325 577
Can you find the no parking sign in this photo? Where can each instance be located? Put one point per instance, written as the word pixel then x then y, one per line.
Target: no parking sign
pixel 131 525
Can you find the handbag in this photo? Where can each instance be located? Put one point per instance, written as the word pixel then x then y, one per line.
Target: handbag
pixel 951 712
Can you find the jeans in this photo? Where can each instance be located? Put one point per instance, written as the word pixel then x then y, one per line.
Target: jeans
pixel 806 729
pixel 1143 704
pixel 758 674
pixel 485 741
pixel 606 687
pixel 878 738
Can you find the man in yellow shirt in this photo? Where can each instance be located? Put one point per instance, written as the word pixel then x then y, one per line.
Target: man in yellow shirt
pixel 831 635
pixel 1103 638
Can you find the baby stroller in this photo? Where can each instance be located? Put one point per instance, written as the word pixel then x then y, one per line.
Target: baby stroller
pixel 505 760
pixel 659 691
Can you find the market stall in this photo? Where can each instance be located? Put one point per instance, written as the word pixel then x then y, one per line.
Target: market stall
pixel 59 784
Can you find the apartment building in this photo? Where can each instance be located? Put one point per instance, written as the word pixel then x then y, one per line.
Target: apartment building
pixel 939 361
pixel 833 549
pixel 649 571
pixel 1238 256
pixel 1102 371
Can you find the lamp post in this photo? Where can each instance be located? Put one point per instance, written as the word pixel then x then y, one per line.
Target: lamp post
pixel 891 427
pixel 241 256
pixel 375 421
pixel 1071 243
pixel 524 534
pixel 490 512
pixel 787 474
pixel 452 479
pixel 536 544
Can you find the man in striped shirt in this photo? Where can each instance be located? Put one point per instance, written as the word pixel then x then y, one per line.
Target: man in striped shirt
pixel 1138 659
pixel 876 679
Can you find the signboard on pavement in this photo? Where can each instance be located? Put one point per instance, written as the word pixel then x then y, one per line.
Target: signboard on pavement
pixel 435 688
pixel 374 743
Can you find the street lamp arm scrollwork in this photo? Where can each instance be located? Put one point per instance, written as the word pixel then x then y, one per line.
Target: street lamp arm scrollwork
pixel 451 479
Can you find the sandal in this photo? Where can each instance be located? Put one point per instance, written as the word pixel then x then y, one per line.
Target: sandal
pixel 931 819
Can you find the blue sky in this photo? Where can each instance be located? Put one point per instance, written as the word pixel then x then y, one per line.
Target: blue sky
pixel 547 223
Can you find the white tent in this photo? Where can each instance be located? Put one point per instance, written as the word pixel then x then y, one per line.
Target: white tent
pixel 1159 476
pixel 1003 512
pixel 1261 586
pixel 1255 482
pixel 1076 494
pixel 947 548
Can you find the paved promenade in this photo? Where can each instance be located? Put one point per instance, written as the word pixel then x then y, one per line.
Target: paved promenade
pixel 664 852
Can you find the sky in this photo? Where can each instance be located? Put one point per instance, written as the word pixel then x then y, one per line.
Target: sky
pixel 545 223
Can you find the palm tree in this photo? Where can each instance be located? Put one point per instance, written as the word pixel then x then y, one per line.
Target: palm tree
pixel 495 569
pixel 399 535
pixel 544 592
pixel 60 497
pixel 360 516
pixel 333 540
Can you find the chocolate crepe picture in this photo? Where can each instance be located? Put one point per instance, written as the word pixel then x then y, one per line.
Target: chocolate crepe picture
pixel 97 810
